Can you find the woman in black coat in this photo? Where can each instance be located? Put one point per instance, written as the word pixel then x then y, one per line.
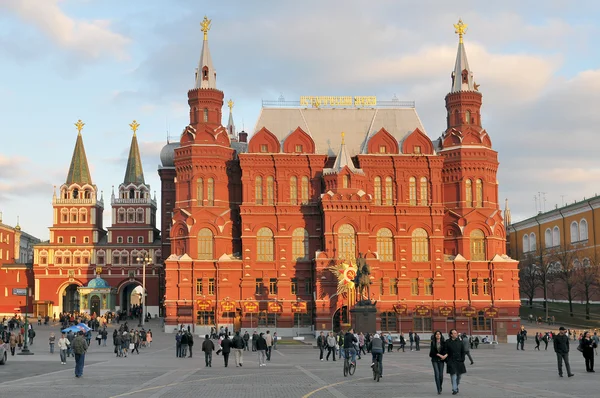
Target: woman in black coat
pixel 437 353
pixel 587 346
pixel 455 360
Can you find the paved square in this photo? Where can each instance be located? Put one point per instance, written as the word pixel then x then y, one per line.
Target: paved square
pixel 295 371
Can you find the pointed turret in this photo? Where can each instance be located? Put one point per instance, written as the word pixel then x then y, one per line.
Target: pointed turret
pixel 342 160
pixel 230 125
pixel 507 218
pixel 206 76
pixel 79 172
pixel 462 77
pixel 134 174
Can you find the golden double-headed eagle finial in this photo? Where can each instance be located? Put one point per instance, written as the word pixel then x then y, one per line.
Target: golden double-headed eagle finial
pixel 230 105
pixel 79 126
pixel 343 138
pixel 134 126
pixel 205 26
pixel 460 29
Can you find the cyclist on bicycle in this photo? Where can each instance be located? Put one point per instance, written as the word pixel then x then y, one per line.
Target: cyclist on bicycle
pixel 377 352
pixel 349 340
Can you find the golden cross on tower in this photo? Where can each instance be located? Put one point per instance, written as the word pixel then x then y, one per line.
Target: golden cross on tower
pixel 205 26
pixel 343 138
pixel 230 105
pixel 79 126
pixel 134 126
pixel 460 28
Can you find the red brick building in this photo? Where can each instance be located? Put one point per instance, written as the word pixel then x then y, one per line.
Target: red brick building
pixel 256 226
pixel 80 251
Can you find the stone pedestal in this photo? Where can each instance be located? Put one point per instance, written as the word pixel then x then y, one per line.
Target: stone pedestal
pixel 364 318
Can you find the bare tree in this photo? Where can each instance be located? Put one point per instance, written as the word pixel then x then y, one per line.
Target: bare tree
pixel 545 274
pixel 529 279
pixel 565 264
pixel 587 278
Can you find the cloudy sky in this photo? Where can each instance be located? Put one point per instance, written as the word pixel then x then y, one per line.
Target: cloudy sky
pixel 108 62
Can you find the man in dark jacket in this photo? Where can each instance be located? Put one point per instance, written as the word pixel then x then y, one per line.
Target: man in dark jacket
pixel 246 340
pixel 261 347
pixel 321 343
pixel 254 338
pixel 226 347
pixel 455 360
pixel 238 349
pixel 80 347
pixel 349 341
pixel 561 348
pixel 208 347
pixel 190 342
pixel 184 344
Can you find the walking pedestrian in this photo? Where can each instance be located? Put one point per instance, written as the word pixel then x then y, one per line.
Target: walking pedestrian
pixel 361 344
pixel 275 340
pixel 411 339
pixel 208 347
pixel 246 340
pixel 51 341
pixel 465 341
pixel 12 342
pixel 254 339
pixel 537 341
pixel 226 349
pixel 63 344
pixel 417 342
pixel 261 347
pixel 456 360
pixel 545 340
pixel 269 339
pixel 438 355
pixel 321 341
pixel 331 342
pixel 587 346
pixel 184 344
pixel 597 341
pixel 238 349
pixel 561 348
pixel 190 342
pixel 80 347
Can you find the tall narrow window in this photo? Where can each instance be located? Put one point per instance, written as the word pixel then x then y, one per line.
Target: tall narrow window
pixel 377 194
pixel 210 192
pixel 555 236
pixel 305 189
pixel 381 287
pixel 486 286
pixel 424 193
pixel 477 245
pixel 346 242
pixel 205 115
pixel 294 286
pixel 479 192
pixel 199 287
pixel 456 117
pixel 258 190
pixel 258 286
pixel 414 287
pixel 420 245
pixel 273 286
pixel 574 232
pixel 205 244
pixel 469 193
pixel 394 286
pixel 412 191
pixel 389 193
pixel 294 190
pixel 474 287
pixel 429 287
pixel 270 190
pixel 345 181
pixel 385 245
pixel 264 245
pixel 583 230
pixel 467 117
pixel 299 244
pixel 211 287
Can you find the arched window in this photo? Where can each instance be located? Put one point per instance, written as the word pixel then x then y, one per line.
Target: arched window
pixel 532 242
pixel 64 215
pixel 264 245
pixel 205 244
pixel 389 193
pixel 477 245
pixel 377 194
pixel 388 321
pixel 548 238
pixel 412 191
pixel 424 194
pixel 479 193
pixel 467 117
pixel 469 193
pixel 116 258
pixel 555 236
pixel 574 232
pixel 583 229
pixel 385 244
pixel 346 242
pixel 121 215
pixel 73 215
pixel 305 190
pixel 420 245
pixel 294 190
pixel 270 190
pixel 205 115
pixel 200 191
pixel 345 181
pixel 140 215
pixel 258 190
pixel 210 192
pixel 131 215
pixel 525 243
pixel 83 216
pixel 44 258
pixel 299 244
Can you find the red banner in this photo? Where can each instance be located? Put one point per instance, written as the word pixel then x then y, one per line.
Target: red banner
pixel 469 311
pixel 274 308
pixel 422 311
pixel 227 306
pixel 490 312
pixel 204 305
pixel 299 307
pixel 250 307
pixel 446 310
pixel 400 309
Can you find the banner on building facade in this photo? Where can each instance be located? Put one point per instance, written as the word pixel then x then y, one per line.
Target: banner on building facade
pixel 274 308
pixel 204 305
pixel 17 291
pixel 469 311
pixel 490 312
pixel 227 306
pixel 422 311
pixel 250 307
pixel 299 307
pixel 446 310
pixel 400 309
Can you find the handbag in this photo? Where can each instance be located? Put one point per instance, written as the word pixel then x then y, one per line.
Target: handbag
pixel 131 346
pixel 579 348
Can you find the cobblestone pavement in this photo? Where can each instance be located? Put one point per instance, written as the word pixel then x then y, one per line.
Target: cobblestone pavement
pixel 295 371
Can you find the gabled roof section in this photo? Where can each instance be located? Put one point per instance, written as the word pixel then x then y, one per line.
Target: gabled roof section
pixel 79 171
pixel 134 174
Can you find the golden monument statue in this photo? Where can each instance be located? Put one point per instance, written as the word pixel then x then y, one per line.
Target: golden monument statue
pixel 460 28
pixel 205 26
pixel 134 126
pixel 79 126
pixel 230 105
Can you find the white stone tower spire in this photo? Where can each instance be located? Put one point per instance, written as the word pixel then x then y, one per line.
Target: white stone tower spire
pixel 206 76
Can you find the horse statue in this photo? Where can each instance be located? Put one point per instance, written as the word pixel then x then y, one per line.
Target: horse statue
pixel 362 280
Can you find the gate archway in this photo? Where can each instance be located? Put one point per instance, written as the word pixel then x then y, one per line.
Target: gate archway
pixel 339 317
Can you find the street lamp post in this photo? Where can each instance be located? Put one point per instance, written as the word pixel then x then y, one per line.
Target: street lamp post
pixel 25 350
pixel 144 261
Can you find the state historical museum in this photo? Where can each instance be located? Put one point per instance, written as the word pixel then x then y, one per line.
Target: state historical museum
pixel 257 223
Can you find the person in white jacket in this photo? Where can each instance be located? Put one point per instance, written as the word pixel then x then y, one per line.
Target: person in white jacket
pixel 63 345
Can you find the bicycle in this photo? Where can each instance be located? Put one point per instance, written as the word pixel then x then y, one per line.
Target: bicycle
pixel 377 368
pixel 349 367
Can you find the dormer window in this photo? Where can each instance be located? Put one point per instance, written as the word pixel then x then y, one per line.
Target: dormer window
pixel 465 76
pixel 298 148
pixel 264 148
pixel 382 149
pixel 417 149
